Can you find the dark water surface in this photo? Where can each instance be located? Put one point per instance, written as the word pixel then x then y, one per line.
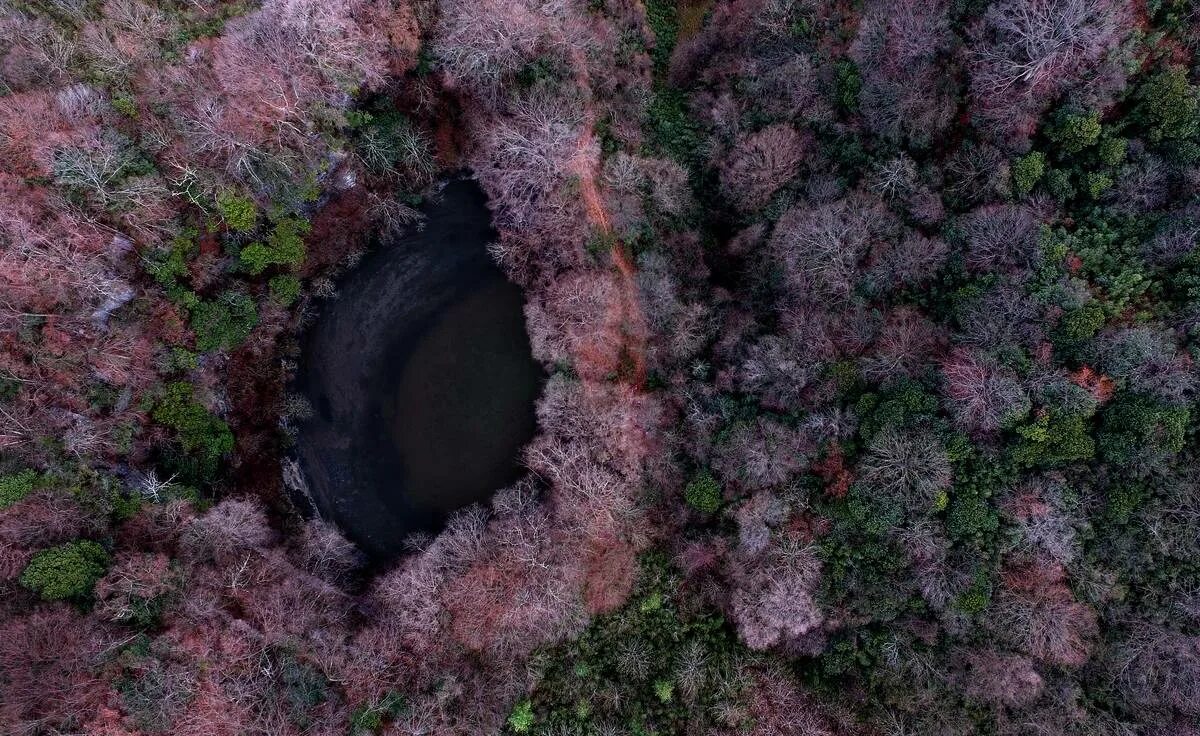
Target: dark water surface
pixel 422 380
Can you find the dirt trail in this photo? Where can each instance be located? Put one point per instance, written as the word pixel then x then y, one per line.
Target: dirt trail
pixel 632 320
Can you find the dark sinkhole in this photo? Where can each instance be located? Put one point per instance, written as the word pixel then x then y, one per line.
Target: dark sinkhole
pixel 422 380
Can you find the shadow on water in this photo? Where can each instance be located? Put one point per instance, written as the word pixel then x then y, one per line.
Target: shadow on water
pixel 422 380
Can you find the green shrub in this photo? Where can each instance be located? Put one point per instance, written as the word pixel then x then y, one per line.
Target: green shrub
pixel 847 85
pixel 650 631
pixel 703 492
pixel 304 687
pixel 369 718
pixel 183 359
pixel 223 323
pixel 67 571
pixel 200 433
pixel 663 19
pixel 284 247
pixel 1136 427
pixel 168 265
pixel 125 105
pixel 1027 171
pixel 15 486
pixel 1097 183
pixel 971 517
pixel 1112 151
pixel 870 514
pixel 864 570
pixel 978 597
pixel 906 403
pixel 1054 438
pixel 544 71
pixel 1082 323
pixel 671 128
pixel 1168 107
pixel 285 288
pixel 9 389
pixel 664 690
pixel 521 719
pixel 1123 501
pixel 1109 249
pixel 239 213
pixel 1073 132
pixel 1059 183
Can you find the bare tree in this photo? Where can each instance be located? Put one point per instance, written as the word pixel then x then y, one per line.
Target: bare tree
pixel 761 163
pixel 908 465
pixel 1023 53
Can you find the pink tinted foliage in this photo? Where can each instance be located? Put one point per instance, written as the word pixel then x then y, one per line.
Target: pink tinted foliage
pixel 611 569
pixel 909 261
pixel 515 596
pixel 524 161
pixel 907 90
pixel 981 395
pixel 40 520
pixel 776 706
pixel 1000 237
pixel 1154 665
pixel 228 531
pixel 325 552
pixel 573 322
pixel 134 579
pixel 1036 611
pixel 484 41
pixel 763 453
pixel 1001 678
pixel 47 664
pixel 761 163
pixel 821 246
pixel 909 466
pixel 774 577
pixel 284 603
pixel 1024 53
pixel 907 346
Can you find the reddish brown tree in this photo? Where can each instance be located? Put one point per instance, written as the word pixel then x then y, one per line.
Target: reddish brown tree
pixel 761 163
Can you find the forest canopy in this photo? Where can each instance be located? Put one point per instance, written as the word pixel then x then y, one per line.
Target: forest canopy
pixel 870 329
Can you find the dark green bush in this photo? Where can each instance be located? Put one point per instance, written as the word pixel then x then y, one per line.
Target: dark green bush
pixel 170 264
pixel 1073 132
pixel 906 403
pixel 1123 500
pixel 847 85
pixel 703 492
pixel 67 571
pixel 223 323
pixel 15 486
pixel 591 680
pixel 1081 324
pixel 369 718
pixel 663 19
pixel 239 213
pixel 521 719
pixel 971 517
pixel 285 288
pixel 1136 428
pixel 283 247
pixel 1168 106
pixel 671 128
pixel 1027 171
pixel 200 433
pixel 1054 438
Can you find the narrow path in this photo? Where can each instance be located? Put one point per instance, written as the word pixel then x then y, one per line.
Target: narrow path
pixel 632 319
